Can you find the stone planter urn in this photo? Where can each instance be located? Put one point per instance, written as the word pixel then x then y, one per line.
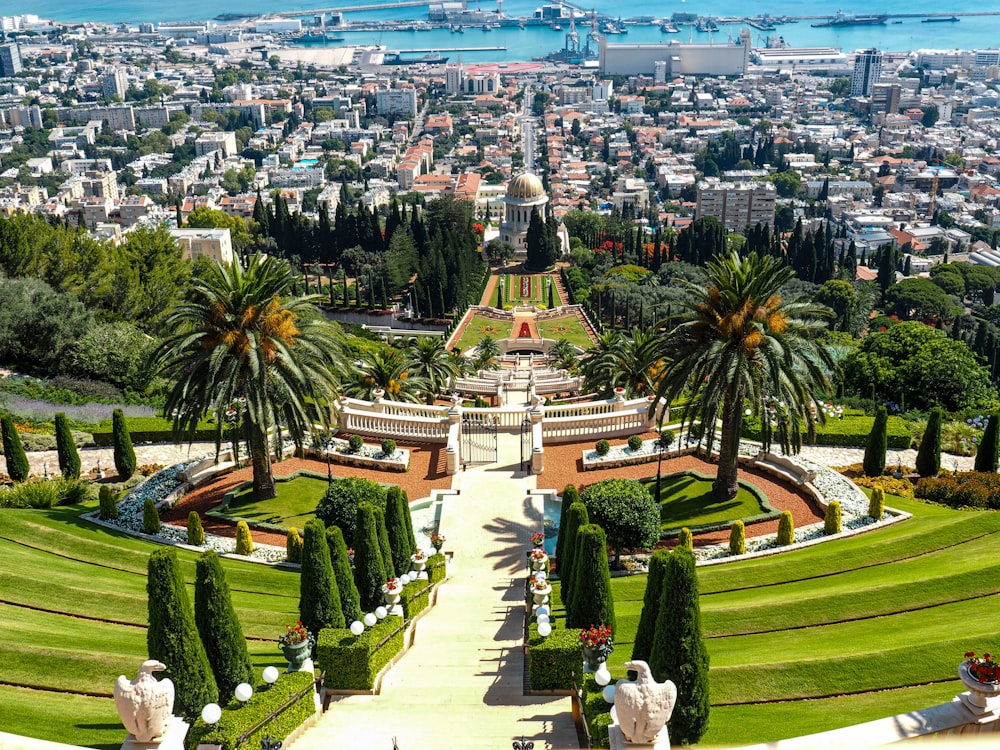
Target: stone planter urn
pixel 539 562
pixel 296 653
pixel 983 697
pixel 419 561
pixel 541 594
pixel 392 592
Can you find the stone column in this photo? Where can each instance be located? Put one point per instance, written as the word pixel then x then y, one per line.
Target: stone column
pixel 536 414
pixel 453 449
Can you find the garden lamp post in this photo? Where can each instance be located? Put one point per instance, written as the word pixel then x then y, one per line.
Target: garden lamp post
pixel 327 444
pixel 662 443
pixel 523 744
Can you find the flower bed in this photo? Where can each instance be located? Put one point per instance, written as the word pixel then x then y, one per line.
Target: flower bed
pixel 369 457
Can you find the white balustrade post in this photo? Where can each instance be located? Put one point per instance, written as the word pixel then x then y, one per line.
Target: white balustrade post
pixel 377 400
pixel 453 448
pixel 536 414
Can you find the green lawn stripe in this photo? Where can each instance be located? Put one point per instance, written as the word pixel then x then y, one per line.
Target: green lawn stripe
pixel 61 717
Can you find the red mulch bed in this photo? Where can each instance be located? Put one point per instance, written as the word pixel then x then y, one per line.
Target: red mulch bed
pixel 427 472
pixel 564 465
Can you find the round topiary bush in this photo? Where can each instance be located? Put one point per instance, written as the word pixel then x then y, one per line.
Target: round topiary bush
pixel 831 523
pixel 150 517
pixel 355 443
pixel 339 506
pixel 737 538
pixel 635 443
pixel 244 541
pixel 195 531
pixel 601 447
pixel 388 447
pixel 626 512
pixel 786 529
pixel 293 546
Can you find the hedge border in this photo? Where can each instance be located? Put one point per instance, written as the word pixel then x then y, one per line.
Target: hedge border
pixel 554 661
pixel 897 436
pixel 353 662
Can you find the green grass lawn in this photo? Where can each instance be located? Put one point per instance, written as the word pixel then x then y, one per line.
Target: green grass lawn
pixel 843 632
pixel 565 327
pixel 686 500
pixel 480 326
pixel 74 613
pixel 538 295
pixel 293 506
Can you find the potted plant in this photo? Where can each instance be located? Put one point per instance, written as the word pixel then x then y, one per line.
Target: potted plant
pixel 597 645
pixel 981 677
pixel 296 645
pixel 540 589
pixel 437 541
pixel 391 589
pixel 538 539
pixel 538 558
pixel 419 560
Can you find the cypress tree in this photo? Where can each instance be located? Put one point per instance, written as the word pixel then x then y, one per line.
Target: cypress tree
pixel 383 544
pixel 401 542
pixel 876 505
pixel 786 529
pixel 592 602
pixel 737 538
pixel 986 456
pixel 874 461
pixel 220 630
pixel 570 495
pixel 69 459
pixel 13 450
pixel 369 568
pixel 195 531
pixel 150 517
pixel 679 652
pixel 123 451
pixel 643 646
pixel 172 637
pixel 109 508
pixel 404 501
pixel 576 517
pixel 293 546
pixel 342 572
pixel 831 522
pixel 929 455
pixel 319 600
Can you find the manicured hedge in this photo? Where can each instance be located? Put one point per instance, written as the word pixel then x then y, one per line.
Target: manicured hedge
pixel 553 661
pixel 238 718
pixel 849 431
pixel 416 597
pixel 352 662
pixel 436 568
pixel 596 711
pixel 148 430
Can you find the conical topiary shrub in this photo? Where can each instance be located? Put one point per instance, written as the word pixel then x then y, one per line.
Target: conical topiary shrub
pixel 679 652
pixel 342 572
pixel 575 518
pixel 108 506
pixel 195 531
pixel 831 521
pixel 293 546
pixel 400 543
pixel 124 453
pixel 244 541
pixel 685 539
pixel 986 454
pixel 786 529
pixel 369 568
pixel 592 601
pixel 172 637
pixel 644 635
pixel 570 495
pixel 319 599
pixel 383 544
pixel 220 630
pixel 929 455
pixel 13 451
pixel 69 458
pixel 150 517
pixel 737 538
pixel 404 501
pixel 876 505
pixel 874 461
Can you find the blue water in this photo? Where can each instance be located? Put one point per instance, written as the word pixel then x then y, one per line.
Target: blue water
pixel 551 509
pixel 969 33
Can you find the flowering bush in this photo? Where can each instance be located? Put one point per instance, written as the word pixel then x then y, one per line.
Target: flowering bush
pixel 537 538
pixel 393 585
pixel 595 636
pixel 983 668
pixel 294 634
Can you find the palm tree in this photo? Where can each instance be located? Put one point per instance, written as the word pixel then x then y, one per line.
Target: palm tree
pixel 487 352
pixel 429 360
pixel 241 337
pixel 631 362
pixel 739 344
pixel 564 356
pixel 387 369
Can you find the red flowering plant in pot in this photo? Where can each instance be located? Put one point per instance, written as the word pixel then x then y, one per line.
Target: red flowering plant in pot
pixel 983 669
pixel 296 643
pixel 538 538
pixel 597 643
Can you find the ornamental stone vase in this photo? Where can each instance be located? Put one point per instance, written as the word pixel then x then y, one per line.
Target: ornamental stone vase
pixel 297 653
pixel 983 697
pixel 392 596
pixel 418 564
pixel 594 656
pixel 541 596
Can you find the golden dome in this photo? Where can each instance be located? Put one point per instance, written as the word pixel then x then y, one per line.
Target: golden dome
pixel 525 187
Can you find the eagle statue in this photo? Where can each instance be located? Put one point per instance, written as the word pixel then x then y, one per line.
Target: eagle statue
pixel 146 704
pixel 644 706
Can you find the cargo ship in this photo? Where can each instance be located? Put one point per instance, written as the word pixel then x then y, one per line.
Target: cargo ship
pixel 950 19
pixel 849 19
pixel 401 58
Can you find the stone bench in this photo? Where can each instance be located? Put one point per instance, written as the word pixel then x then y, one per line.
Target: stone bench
pixel 206 470
pixel 782 467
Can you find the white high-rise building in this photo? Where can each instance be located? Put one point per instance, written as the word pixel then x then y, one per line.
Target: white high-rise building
pixel 867 71
pixel 114 83
pixel 453 79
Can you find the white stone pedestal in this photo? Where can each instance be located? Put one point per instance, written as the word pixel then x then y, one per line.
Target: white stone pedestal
pixel 306 666
pixel 172 739
pixel 396 610
pixel 618 741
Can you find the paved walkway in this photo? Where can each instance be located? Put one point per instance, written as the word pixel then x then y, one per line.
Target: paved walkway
pixel 461 684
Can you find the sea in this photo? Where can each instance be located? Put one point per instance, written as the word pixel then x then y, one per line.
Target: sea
pixel 513 44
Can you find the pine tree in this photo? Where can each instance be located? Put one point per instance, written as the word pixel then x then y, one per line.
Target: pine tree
pixel 383 543
pixel 929 455
pixel 18 468
pixel 679 652
pixel 986 455
pixel 401 542
pixel 575 518
pixel 319 599
pixel 369 568
pixel 570 495
pixel 643 647
pixel 69 459
pixel 172 637
pixel 342 572
pixel 220 630
pixel 124 453
pixel 593 602
pixel 874 461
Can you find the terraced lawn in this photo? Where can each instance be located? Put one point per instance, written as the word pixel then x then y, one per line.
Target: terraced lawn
pixel 565 327
pixel 294 504
pixel 479 326
pixel 844 632
pixel 73 604
pixel 686 500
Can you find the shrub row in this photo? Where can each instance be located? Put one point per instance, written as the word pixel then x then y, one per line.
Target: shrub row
pixel 238 718
pixel 596 711
pixel 352 662
pixel 436 568
pixel 849 431
pixel 554 662
pixel 148 430
pixel 416 597
pixel 967 489
pixel 45 494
